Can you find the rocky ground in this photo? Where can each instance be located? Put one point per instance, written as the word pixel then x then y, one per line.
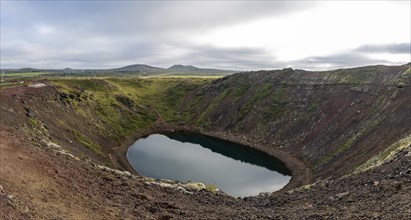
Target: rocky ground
pixel 41 182
pixel 60 140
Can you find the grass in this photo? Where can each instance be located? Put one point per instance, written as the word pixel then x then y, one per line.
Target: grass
pixel 240 90
pixel 385 155
pixel 26 74
pixel 124 105
pixel 271 113
pixel 212 188
pixel 35 122
pixel 163 94
pixel 203 117
pixel 87 142
pixel 266 91
pixel 340 149
pixel 263 91
pixel 84 84
pixel 188 76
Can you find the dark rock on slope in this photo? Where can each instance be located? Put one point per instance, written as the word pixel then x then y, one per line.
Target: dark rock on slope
pixel 351 127
pixel 333 120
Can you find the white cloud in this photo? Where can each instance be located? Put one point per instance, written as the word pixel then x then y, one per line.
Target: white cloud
pixel 44 29
pixel 328 28
pixel 234 35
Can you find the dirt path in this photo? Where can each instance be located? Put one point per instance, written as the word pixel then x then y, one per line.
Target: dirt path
pixel 159 118
pixel 117 155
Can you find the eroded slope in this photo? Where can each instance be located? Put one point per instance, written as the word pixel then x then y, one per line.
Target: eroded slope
pixel 334 120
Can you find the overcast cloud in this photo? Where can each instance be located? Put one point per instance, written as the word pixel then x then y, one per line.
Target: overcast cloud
pixel 232 35
pixel 402 48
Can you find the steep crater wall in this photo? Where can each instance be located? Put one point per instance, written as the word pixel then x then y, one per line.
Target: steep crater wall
pixel 332 120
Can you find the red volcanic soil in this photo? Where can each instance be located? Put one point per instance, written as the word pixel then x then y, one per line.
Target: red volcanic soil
pixel 40 183
pixel 324 131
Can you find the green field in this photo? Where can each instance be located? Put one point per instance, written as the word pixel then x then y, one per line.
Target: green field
pixel 26 74
pixel 123 105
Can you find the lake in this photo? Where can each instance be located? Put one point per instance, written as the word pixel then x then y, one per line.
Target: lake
pixel 235 169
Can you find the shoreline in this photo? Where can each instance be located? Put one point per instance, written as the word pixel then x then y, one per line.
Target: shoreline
pixel 301 174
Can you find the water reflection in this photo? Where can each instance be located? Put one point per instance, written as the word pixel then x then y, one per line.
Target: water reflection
pixel 235 169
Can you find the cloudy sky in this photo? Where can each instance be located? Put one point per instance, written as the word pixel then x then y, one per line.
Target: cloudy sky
pixel 239 35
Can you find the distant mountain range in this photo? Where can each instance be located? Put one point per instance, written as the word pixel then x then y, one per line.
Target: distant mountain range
pixel 178 68
pixel 138 69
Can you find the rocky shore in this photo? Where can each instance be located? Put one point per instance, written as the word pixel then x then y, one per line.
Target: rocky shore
pixel 301 174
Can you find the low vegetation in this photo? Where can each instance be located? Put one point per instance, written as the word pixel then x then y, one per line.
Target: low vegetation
pixel 324 116
pixel 124 105
pixel 319 117
pixel 386 155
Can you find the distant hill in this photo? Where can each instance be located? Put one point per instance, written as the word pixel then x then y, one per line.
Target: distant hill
pixel 134 69
pixel 179 67
pixel 192 69
pixel 139 67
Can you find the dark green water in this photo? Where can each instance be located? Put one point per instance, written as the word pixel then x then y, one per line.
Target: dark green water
pixel 235 169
